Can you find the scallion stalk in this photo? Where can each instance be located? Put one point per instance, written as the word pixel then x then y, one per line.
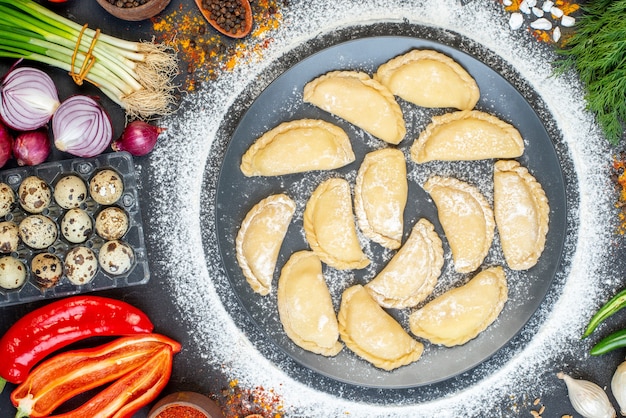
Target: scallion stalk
pixel 136 75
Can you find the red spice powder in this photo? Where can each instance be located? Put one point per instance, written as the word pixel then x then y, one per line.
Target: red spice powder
pixel 181 411
pixel 618 175
pixel 203 51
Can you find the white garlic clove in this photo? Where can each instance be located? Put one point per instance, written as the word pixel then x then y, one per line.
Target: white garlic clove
pixel 568 21
pixel 587 398
pixel 516 21
pixel 542 24
pixel 618 387
pixel 556 34
pixel 547 5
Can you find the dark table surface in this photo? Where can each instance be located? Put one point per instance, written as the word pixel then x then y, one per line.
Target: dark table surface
pixel 210 379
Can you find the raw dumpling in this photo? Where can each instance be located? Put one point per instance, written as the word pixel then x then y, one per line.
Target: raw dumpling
pixel 429 78
pixel 380 195
pixel 364 102
pixel 298 146
pixel 412 273
pixel 521 212
pixel 329 226
pixel 466 218
pixel 462 313
pixel 305 306
pixel 372 333
pixel 467 135
pixel 260 237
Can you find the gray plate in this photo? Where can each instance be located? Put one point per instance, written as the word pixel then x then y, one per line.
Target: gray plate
pixel 281 101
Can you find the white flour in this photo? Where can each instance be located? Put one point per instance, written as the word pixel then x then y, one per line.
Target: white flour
pixel 178 164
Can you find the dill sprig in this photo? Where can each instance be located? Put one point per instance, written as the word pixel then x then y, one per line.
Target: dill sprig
pixel 597 51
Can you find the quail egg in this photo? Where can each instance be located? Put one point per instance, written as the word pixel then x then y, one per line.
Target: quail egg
pixel 47 269
pixel 106 187
pixel 81 265
pixel 112 223
pixel 34 194
pixel 12 272
pixel 38 231
pixel 70 192
pixel 116 257
pixel 7 199
pixel 76 225
pixel 9 237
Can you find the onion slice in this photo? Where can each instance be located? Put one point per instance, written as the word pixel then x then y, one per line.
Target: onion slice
pixel 81 127
pixel 28 98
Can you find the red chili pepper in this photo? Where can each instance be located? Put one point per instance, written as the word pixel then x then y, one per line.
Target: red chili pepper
pixel 61 323
pixel 131 392
pixel 67 374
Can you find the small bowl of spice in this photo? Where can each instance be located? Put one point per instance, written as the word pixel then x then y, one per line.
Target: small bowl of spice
pixel 134 10
pixel 187 405
pixel 230 17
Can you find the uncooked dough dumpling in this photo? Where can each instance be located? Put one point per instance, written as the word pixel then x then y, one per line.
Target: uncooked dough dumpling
pixel 372 333
pixel 460 314
pixel 412 273
pixel 522 214
pixel 329 226
pixel 305 306
pixel 362 101
pixel 467 135
pixel 429 78
pixel 466 218
pixel 380 196
pixel 298 146
pixel 260 237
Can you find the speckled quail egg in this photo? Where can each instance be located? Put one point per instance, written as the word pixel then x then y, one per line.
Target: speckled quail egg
pixel 112 223
pixel 12 272
pixel 76 225
pixel 70 192
pixel 9 237
pixel 116 257
pixel 47 269
pixel 7 199
pixel 81 265
pixel 106 187
pixel 34 194
pixel 38 231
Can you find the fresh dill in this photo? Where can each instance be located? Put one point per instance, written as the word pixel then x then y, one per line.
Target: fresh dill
pixel 597 51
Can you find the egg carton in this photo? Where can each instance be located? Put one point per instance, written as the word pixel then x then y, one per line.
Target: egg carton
pixel 85 168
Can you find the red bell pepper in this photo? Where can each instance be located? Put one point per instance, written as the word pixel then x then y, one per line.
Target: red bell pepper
pixel 60 323
pixel 67 374
pixel 134 390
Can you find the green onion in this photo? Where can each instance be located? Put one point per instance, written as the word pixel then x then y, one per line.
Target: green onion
pixel 136 75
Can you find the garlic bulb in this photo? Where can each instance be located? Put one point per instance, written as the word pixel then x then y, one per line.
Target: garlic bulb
pixel 618 387
pixel 587 398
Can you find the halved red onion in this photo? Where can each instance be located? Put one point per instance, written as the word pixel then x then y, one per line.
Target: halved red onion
pixel 81 127
pixel 28 98
pixel 32 147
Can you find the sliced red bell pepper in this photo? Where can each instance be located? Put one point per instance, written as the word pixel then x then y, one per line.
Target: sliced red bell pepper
pixel 124 397
pixel 60 323
pixel 67 374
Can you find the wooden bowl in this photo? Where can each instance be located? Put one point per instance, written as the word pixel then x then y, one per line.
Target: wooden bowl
pixel 145 11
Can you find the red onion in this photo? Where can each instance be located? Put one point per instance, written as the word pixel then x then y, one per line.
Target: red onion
pixel 138 138
pixel 81 127
pixel 31 148
pixel 6 144
pixel 28 99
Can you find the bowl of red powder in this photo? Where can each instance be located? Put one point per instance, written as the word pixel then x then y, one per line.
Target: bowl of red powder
pixel 185 405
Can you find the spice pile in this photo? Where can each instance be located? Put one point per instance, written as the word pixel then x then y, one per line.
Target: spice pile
pixel 240 402
pixel 128 3
pixel 545 19
pixel 204 52
pixel 229 15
